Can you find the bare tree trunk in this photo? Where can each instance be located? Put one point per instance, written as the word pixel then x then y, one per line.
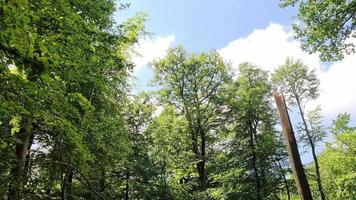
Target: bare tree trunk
pixel 312 145
pixel 18 170
pixel 293 153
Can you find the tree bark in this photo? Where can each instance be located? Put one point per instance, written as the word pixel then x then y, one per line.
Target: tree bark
pixel 67 185
pixel 18 171
pixel 202 171
pixel 284 179
pixel 127 187
pixel 200 155
pixel 293 153
pixel 163 175
pixel 102 180
pixel 254 162
pixel 312 145
pixel 28 158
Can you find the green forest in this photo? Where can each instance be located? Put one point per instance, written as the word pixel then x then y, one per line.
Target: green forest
pixel 72 127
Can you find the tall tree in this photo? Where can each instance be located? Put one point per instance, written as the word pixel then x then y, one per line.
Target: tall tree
pixel 317 133
pixel 315 126
pixel 170 149
pixel 325 26
pixel 299 85
pixel 192 82
pixel 63 71
pixel 139 173
pixel 252 169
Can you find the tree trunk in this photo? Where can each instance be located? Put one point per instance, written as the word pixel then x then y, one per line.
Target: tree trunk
pixel 202 177
pixel 28 163
pixel 102 180
pixel 163 175
pixel 318 178
pixel 200 155
pixel 18 171
pixel 67 185
pixel 254 163
pixel 292 147
pixel 201 164
pixel 312 145
pixel 284 180
pixel 127 187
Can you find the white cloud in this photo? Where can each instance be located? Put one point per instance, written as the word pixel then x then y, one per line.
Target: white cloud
pixel 338 87
pixel 149 49
pixel 269 48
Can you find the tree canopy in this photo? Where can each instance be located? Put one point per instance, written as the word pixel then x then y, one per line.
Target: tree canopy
pixel 73 127
pixel 325 26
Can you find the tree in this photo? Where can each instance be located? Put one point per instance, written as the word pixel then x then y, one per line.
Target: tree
pixel 317 133
pixel 338 160
pixel 170 150
pixel 139 173
pixel 338 166
pixel 325 26
pixel 63 72
pixel 299 85
pixel 316 129
pixel 251 169
pixel 340 125
pixel 192 83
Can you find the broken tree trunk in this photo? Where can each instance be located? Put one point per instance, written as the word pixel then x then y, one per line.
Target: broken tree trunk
pixel 293 153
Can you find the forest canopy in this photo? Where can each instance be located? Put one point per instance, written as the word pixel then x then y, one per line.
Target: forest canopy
pixel 72 127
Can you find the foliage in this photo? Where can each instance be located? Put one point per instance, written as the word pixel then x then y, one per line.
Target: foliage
pixel 170 149
pixel 193 84
pixel 63 82
pixel 70 127
pixel 315 127
pixel 250 169
pixel 139 173
pixel 340 125
pixel 325 26
pixel 338 166
pixel 296 81
pixel 301 85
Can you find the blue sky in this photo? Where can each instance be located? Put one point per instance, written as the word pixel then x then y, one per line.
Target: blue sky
pixel 202 25
pixel 255 31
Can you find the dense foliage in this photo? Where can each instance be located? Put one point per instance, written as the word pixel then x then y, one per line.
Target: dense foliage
pixel 325 26
pixel 71 128
pixel 63 85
